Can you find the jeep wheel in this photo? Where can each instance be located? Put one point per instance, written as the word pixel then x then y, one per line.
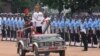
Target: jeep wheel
pixel 36 53
pixel 62 53
pixel 21 51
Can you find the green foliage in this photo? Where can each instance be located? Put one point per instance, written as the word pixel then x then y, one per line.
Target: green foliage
pixel 55 4
pixel 1 3
pixel 20 5
pixel 73 4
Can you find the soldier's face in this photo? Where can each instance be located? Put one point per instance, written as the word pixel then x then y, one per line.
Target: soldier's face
pixel 37 8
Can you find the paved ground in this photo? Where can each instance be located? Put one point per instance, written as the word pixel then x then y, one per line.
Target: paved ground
pixel 8 48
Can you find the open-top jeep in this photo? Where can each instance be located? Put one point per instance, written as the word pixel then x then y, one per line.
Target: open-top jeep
pixel 41 44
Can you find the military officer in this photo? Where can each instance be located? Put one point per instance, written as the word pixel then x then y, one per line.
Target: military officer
pixel 84 37
pixel 6 25
pixel 71 29
pixel 38 18
pixel 28 23
pixel 3 27
pixel 67 22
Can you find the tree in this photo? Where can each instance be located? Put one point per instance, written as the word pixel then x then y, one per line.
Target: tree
pixel 1 3
pixel 20 5
pixel 84 4
pixel 55 4
pixel 73 4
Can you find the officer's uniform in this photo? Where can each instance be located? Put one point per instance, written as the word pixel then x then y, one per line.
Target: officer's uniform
pixel 20 23
pixel 14 26
pixel 7 28
pixel 76 31
pixel 94 27
pixel 72 30
pixel 84 37
pixel 61 27
pixel 37 19
pixel 0 23
pixel 66 29
pixel 53 26
pixel 11 27
pixel 98 29
pixel 57 26
pixel 3 28
pixel 28 23
pixel 98 32
pixel 90 32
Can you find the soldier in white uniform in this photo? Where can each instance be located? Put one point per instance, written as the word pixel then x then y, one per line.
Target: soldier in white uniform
pixel 37 19
pixel 45 24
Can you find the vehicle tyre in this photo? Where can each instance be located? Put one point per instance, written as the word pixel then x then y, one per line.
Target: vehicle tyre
pixel 21 51
pixel 36 53
pixel 62 53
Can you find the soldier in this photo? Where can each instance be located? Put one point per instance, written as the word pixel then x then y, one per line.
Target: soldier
pixel 7 28
pixel 84 37
pixel 94 27
pixel 28 23
pixel 17 24
pixel 22 22
pixel 89 30
pixel 38 18
pixel 56 25
pixel 14 27
pixel 66 29
pixel 46 22
pixel 98 32
pixel 53 26
pixel 10 30
pixel 3 27
pixel 61 26
pixel 11 27
pixel 71 26
pixel 6 25
pixel 76 31
pixel 0 23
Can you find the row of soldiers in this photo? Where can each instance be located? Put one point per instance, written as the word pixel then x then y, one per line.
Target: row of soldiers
pixel 70 28
pixel 10 24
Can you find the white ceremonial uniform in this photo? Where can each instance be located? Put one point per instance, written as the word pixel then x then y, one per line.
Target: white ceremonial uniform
pixel 45 24
pixel 37 19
